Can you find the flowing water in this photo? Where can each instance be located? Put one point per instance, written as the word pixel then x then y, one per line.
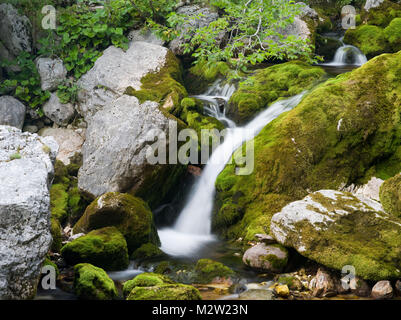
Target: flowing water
pixel 192 229
pixel 347 55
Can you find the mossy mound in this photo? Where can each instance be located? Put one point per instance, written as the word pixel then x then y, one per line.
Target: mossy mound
pixel 342 132
pixel 130 215
pixel 393 34
pixel 55 230
pixel 269 84
pixel 390 195
pixel 147 251
pixel 270 258
pixel 105 248
pixel 93 283
pixel 207 269
pixel 337 229
pixel 383 14
pixel 152 286
pixel 371 40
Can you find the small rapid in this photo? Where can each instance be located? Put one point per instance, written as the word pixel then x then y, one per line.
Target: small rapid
pixel 347 55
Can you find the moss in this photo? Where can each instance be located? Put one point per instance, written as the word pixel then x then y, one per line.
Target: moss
pixel 164 86
pixel 93 283
pixel 206 270
pixel 371 40
pixel 163 267
pixel 302 150
pixel 149 279
pixel 393 34
pixel 130 215
pixel 383 14
pixel 105 248
pixel 48 262
pixel 292 282
pixel 55 230
pixel 147 251
pixel 390 195
pixel 59 202
pixel 269 84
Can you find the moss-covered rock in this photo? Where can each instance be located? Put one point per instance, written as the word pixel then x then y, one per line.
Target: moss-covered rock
pixel 207 269
pixel 342 132
pixel 130 215
pixel 326 47
pixel 382 14
pixel 105 248
pixel 337 229
pixel 93 283
pixel 267 85
pixel 393 34
pixel 147 251
pixel 390 195
pixel 291 281
pixel 55 229
pixel 270 258
pixel 59 201
pixel 371 40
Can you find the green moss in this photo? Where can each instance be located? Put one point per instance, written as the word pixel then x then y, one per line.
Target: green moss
pixel 393 34
pixel 267 85
pixel 302 150
pixel 59 202
pixel 206 270
pixel 105 248
pixel 147 251
pixel 55 230
pixel 48 262
pixel 163 267
pixel 292 282
pixel 390 195
pixel 370 39
pixel 383 14
pixel 93 283
pixel 130 215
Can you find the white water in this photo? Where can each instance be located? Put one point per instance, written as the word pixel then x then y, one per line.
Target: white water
pixel 347 55
pixel 193 227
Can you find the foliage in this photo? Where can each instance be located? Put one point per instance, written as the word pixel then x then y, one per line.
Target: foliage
pixel 155 10
pixel 25 83
pixel 68 91
pixel 254 30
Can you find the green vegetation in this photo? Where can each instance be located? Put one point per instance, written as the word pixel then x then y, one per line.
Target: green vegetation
pixel 206 270
pixel 393 34
pixel 390 195
pixel 92 283
pixel 147 251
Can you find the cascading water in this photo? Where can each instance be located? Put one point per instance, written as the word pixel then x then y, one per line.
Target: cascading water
pixel 347 55
pixel 193 227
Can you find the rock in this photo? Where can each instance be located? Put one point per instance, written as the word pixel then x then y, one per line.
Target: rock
pixel 52 73
pixel 30 128
pixel 302 151
pixel 145 36
pixel 5 55
pixel 382 290
pixel 282 290
pixel 359 287
pixel 15 30
pixel 257 294
pixel 265 238
pixel 327 47
pixel 12 112
pixel 271 258
pixel 291 281
pixel 208 270
pixel 93 283
pixel 150 286
pixel 398 287
pixel 369 190
pixel 55 230
pixel 195 171
pixel 324 285
pixel 318 228
pixel 70 142
pixel 390 195
pixel 75 236
pixel 192 11
pixel 26 171
pixel 58 112
pixel 105 248
pixel 128 214
pixel 372 4
pixel 147 251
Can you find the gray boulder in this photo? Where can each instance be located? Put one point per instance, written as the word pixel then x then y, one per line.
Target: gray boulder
pixel 336 229
pixel 52 73
pixel 264 257
pixel 58 112
pixel 12 112
pixel 372 4
pixel 26 172
pixel 382 290
pixel 15 30
pixel 145 36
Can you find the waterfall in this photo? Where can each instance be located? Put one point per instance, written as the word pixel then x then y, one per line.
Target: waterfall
pixel 193 227
pixel 347 55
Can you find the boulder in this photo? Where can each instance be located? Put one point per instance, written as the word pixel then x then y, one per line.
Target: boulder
pixel 318 227
pixel 93 283
pixel 272 258
pixel 105 248
pixel 282 290
pixel 15 30
pixel 59 113
pixel 333 138
pixel 26 172
pixel 146 279
pixel 70 142
pixel 382 290
pixel 12 112
pixel 128 214
pixel 52 73
pixel 208 270
pixel 145 35
pixel 372 4
pixel 369 190
pixel 359 287
pixel 390 195
pixel 324 285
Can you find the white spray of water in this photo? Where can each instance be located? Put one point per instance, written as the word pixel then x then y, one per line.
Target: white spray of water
pixel 347 55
